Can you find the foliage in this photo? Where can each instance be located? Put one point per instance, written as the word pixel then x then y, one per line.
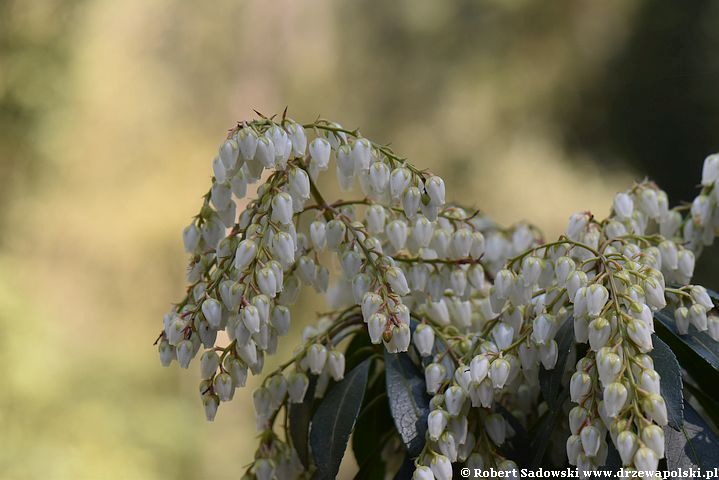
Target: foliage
pixel 475 339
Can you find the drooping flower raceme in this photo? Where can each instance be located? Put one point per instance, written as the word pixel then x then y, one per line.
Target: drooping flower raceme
pixel 476 306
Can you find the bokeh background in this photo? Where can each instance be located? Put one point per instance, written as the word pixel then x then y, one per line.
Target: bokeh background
pixel 110 112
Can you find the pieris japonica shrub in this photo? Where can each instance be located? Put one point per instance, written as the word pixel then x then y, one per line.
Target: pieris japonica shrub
pixel 452 341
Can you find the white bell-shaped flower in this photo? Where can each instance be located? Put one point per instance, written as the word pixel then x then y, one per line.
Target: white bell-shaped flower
pixel 436 423
pixel 424 339
pixel 434 186
pixel 320 150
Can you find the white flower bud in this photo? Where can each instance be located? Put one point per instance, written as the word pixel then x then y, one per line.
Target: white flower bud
pixel 577 224
pixel 646 460
pixel 245 254
pixel 681 318
pixel 318 235
pixel 436 423
pixel 316 358
pixel 654 292
pixel 441 467
pixel 649 203
pixel 265 152
pixel 713 327
pixel 710 170
pixel 397 281
pixel 251 318
pixel 411 199
pixel 212 310
pixel 361 155
pixel 590 438
pixel 424 339
pixel 320 150
pixel 397 234
pixel 167 352
pixel 503 283
pixel 223 387
pixel 496 428
pixel 502 335
pixel 653 437
pixel 699 295
pixel 669 254
pixel 336 365
pixel 478 245
pixel 627 444
pixel 454 398
pixel 335 233
pixel 577 419
pixel 247 143
pixel 597 296
pixel 698 317
pixel 209 363
pixel 423 473
pixel 579 386
pixel 574 447
pixel 548 354
pixel 237 370
pixel 499 372
pixel 461 243
pixel 434 186
pixel 184 351
pixel 575 281
pixel 399 181
pixel 640 333
pixel 623 206
pixel 267 282
pixel 609 364
pixel 655 407
pixel 599 332
pixel 378 178
pixel 297 384
pixel 282 208
pixel 283 248
pixel 434 376
pixel 545 326
pixel 615 396
pixel 376 326
pixel 298 138
pixel 191 237
pixel 210 403
pixel 299 183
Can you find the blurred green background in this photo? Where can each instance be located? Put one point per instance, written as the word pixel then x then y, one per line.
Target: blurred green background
pixel 110 112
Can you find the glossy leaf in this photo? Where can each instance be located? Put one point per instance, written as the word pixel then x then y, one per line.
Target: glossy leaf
pixel 374 425
pixel 334 420
pixel 408 400
pixel 696 351
pixel 694 446
pixel 667 366
pixel 300 417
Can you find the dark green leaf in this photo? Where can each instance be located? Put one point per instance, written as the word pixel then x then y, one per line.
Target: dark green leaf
pixel 373 424
pixel 300 416
pixel 406 470
pixel 709 406
pixel 696 351
pixel 694 446
pixel 543 434
pixel 667 366
pixel 550 381
pixel 517 447
pixel 358 349
pixel 334 420
pixel 408 400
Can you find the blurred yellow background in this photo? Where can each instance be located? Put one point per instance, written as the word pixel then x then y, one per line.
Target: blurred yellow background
pixel 110 113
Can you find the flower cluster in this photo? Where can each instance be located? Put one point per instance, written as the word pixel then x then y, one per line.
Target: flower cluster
pixel 480 306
